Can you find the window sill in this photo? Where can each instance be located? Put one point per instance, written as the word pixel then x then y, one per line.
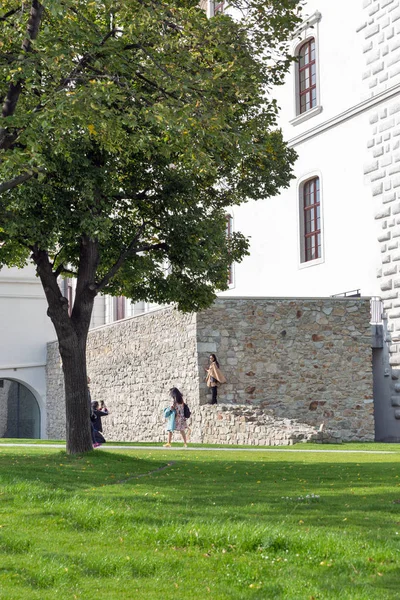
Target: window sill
pixel 311 263
pixel 307 115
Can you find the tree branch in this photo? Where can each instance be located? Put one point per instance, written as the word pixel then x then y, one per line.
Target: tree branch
pixel 10 13
pixel 13 183
pixel 14 90
pixel 130 250
pixel 61 269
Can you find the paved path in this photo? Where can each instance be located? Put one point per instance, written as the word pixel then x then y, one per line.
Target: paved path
pixel 208 449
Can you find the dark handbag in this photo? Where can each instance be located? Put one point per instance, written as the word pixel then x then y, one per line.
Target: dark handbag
pixel 186 411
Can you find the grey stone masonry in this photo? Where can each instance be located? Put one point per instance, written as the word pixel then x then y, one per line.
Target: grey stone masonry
pixel 381 47
pixel 291 365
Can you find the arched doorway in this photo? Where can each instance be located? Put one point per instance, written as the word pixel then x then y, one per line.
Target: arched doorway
pixel 19 411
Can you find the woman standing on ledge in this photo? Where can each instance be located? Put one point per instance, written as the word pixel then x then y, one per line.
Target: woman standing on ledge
pixel 214 378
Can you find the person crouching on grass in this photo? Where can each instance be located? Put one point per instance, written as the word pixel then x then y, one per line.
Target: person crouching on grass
pixel 175 417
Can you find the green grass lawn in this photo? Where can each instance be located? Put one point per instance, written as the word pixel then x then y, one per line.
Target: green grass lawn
pixel 174 524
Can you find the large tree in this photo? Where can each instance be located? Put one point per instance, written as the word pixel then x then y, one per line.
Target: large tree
pixel 128 129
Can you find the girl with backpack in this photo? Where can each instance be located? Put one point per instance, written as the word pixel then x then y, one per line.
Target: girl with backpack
pixel 175 416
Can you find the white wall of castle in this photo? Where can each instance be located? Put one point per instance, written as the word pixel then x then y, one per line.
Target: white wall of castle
pixel 332 142
pixel 25 330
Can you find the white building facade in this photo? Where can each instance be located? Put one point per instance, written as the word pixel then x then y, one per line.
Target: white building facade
pixel 333 137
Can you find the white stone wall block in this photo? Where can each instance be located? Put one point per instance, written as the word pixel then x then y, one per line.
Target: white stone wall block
pixel 386 285
pixel 373 56
pixel 393 6
pixel 395 16
pixel 388 198
pixel 378 175
pixel 370 167
pixel 395 169
pixel 390 33
pixel 371 31
pixel 386 161
pixel 384 236
pixel 388 124
pixel 394 72
pixel 373 10
pixel 383 213
pixel 394 45
pixel 391 271
pixel 385 3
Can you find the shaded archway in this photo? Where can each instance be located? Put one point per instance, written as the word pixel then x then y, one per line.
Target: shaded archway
pixel 19 411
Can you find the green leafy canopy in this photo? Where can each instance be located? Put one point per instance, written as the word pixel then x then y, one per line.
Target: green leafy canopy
pixel 137 124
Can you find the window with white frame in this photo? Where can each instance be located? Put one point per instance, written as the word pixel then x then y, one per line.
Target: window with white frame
pixel 306 70
pixel 307 76
pixel 310 221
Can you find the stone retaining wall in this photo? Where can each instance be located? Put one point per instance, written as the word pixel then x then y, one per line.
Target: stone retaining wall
pixel 291 365
pixel 132 365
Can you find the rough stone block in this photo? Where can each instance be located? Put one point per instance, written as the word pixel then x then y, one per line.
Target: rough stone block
pixel 389 198
pixel 395 16
pixel 395 108
pixel 372 57
pixel 386 285
pixel 391 271
pixel 394 72
pixel 383 213
pixel 377 189
pixel 388 124
pixel 371 31
pixel 370 167
pixel 378 68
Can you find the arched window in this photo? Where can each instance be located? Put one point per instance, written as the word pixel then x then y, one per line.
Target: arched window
pixel 307 76
pixel 311 205
pixel 19 411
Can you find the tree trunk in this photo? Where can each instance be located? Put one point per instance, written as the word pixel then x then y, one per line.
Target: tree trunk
pixel 77 406
pixel 72 334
